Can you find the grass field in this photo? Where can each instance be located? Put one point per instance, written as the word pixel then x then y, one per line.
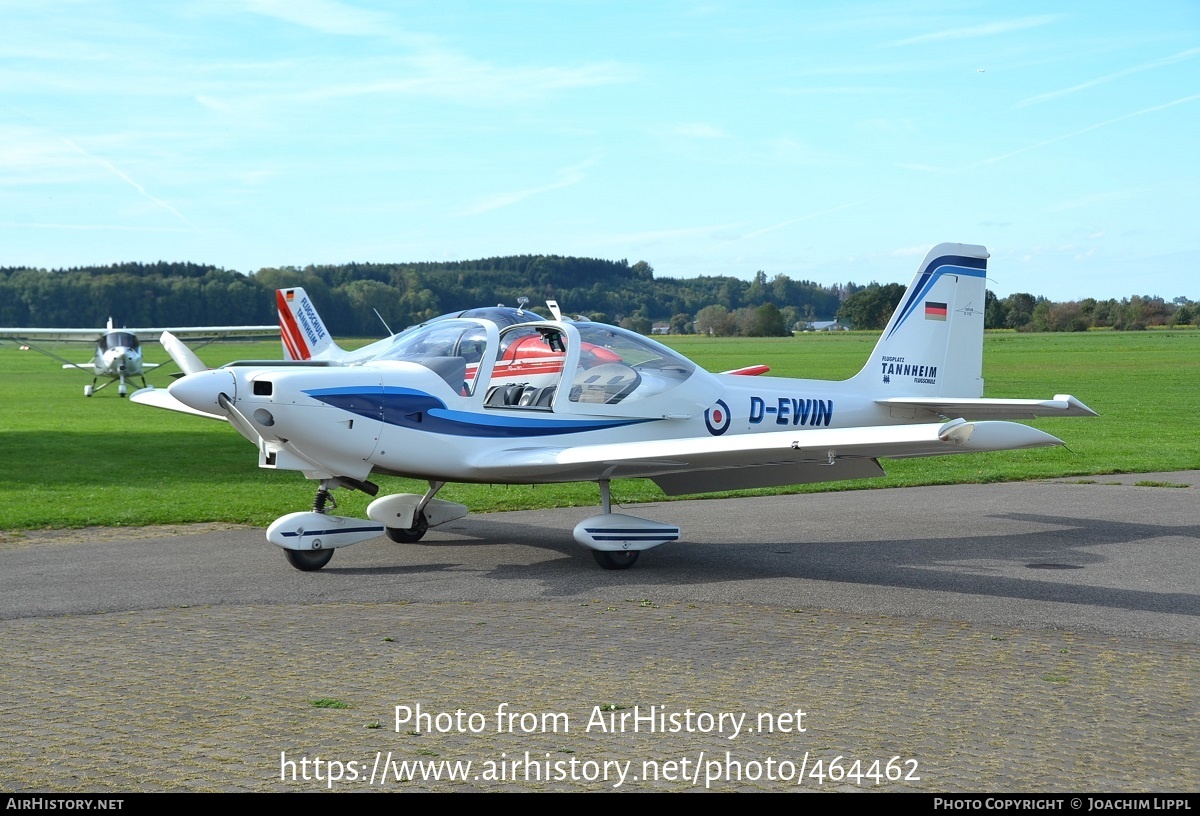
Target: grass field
pixel 67 461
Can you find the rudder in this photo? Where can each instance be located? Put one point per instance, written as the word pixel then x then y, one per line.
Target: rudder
pixel 933 344
pixel 301 328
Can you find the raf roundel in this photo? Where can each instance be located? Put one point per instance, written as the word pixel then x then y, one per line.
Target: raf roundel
pixel 717 418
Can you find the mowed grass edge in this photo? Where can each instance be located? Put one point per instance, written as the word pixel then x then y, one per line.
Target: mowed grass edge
pixel 67 461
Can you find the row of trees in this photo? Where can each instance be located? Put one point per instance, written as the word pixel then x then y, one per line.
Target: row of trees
pixel 348 295
pixel 1027 313
pixel 871 308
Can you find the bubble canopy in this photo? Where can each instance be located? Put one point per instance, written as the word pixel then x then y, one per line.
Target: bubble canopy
pixel 525 364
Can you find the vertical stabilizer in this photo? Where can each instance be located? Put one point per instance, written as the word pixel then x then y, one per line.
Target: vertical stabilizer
pixel 301 328
pixel 933 345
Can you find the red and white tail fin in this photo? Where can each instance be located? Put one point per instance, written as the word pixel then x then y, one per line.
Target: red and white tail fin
pixel 304 334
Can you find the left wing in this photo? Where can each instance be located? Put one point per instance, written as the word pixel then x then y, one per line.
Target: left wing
pixel 91 335
pixel 705 464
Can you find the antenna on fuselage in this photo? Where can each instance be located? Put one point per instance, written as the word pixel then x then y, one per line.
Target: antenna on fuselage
pixel 521 301
pixel 384 322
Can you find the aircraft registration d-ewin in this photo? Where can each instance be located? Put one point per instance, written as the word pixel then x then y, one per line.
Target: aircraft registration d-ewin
pixel 500 395
pixel 118 354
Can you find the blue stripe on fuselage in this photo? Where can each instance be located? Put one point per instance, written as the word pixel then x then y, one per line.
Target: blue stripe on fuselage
pixel 416 410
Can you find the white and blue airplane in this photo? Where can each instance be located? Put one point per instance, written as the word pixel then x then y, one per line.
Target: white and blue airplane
pixel 117 356
pixel 503 396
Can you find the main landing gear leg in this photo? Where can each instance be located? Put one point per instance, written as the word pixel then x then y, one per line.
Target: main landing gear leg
pixel 609 559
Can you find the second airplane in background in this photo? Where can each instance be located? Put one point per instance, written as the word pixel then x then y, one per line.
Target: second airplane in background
pixel 118 351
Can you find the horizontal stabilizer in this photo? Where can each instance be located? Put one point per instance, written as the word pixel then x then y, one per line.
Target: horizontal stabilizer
pixel 180 354
pixel 1063 405
pixel 749 371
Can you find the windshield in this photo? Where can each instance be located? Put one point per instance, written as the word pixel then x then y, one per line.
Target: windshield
pixel 114 339
pixel 451 348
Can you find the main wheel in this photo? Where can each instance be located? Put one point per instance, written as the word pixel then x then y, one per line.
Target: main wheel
pixel 308 560
pixel 414 533
pixel 616 559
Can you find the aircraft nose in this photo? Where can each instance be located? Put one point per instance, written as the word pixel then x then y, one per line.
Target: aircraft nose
pixel 200 390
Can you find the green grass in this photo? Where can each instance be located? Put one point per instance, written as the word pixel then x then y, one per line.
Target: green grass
pixel 67 461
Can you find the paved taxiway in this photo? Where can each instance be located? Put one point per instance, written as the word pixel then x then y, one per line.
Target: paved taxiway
pixel 1007 637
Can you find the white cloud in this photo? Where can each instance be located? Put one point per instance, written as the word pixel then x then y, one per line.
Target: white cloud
pixel 1171 60
pixel 325 16
pixel 568 177
pixel 1090 201
pixel 699 130
pixel 974 32
pixel 461 78
pixel 1089 128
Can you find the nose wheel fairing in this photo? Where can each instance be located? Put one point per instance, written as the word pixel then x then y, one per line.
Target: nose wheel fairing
pixel 309 531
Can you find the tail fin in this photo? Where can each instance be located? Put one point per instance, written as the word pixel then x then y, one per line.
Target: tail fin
pixel 933 345
pixel 304 334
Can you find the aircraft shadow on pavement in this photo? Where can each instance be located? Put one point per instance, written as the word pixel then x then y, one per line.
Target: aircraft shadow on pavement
pixel 939 564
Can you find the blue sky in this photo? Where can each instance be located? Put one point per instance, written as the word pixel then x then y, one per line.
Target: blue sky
pixel 828 142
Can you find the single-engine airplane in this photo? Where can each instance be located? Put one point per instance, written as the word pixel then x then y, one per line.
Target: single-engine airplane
pixel 503 396
pixel 118 355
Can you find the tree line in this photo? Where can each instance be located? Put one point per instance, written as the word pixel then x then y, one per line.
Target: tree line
pixel 348 295
pixel 873 306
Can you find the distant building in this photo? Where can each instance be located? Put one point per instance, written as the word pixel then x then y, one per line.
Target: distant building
pixel 825 325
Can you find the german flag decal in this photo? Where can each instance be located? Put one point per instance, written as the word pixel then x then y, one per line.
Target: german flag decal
pixel 935 311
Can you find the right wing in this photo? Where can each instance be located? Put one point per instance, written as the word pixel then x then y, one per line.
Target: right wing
pixel 53 335
pixel 210 333
pixel 706 464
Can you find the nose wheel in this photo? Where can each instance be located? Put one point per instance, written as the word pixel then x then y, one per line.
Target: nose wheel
pixel 308 560
pixel 313 560
pixel 616 560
